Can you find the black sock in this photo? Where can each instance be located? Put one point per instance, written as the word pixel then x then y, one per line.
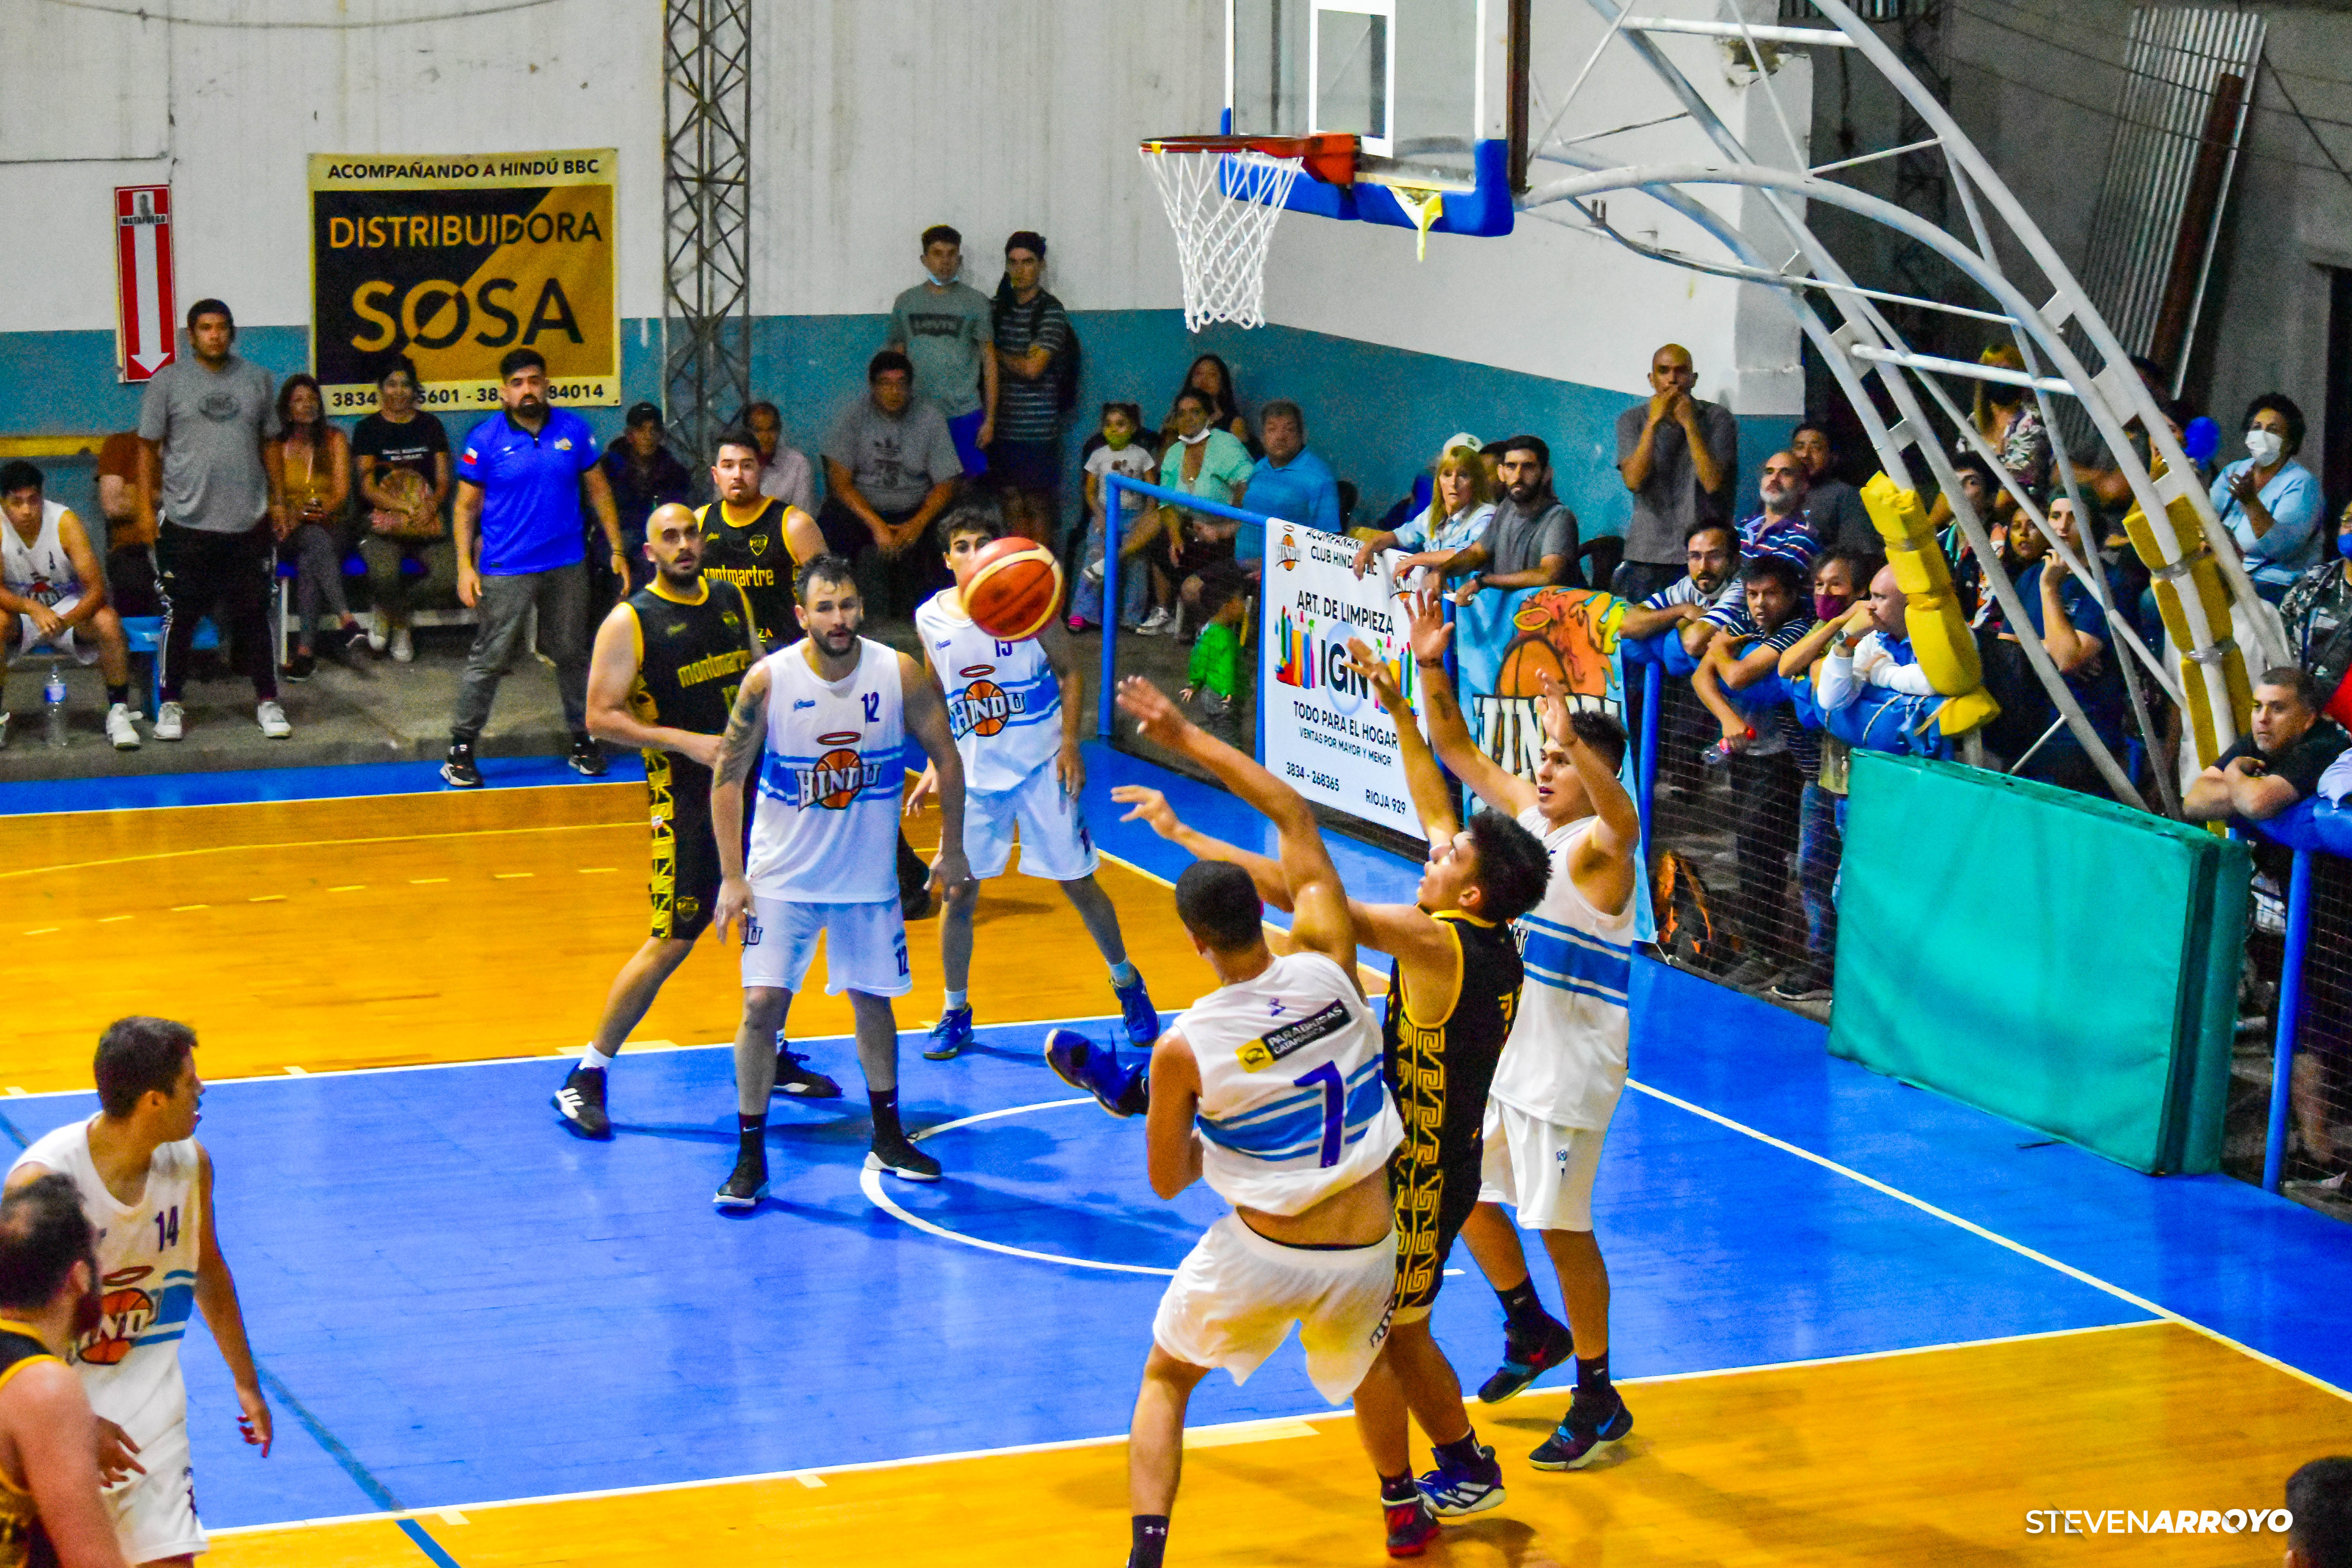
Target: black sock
pixel 1397 1489
pixel 885 1102
pixel 1462 1451
pixel 752 1134
pixel 1592 1375
pixel 1150 1548
pixel 1524 1308
pixel 117 694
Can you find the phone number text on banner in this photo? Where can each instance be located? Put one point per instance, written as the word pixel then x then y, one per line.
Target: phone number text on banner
pixel 1326 733
pixel 454 260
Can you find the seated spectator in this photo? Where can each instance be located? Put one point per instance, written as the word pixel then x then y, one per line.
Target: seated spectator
pixel 1291 482
pixel 946 329
pixel 314 460
pixel 2319 1497
pixel 1125 451
pixel 1530 542
pixel 1212 379
pixel 1680 457
pixel 2270 503
pixel 2319 611
pixel 785 473
pixel 50 591
pixel 1460 509
pixel 2073 629
pixel 1710 579
pixel 644 474
pixel 1201 461
pixel 130 544
pixel 1781 528
pixel 2277 763
pixel 1032 340
pixel 1770 753
pixel 1212 683
pixel 890 467
pixel 1834 507
pixel 402 454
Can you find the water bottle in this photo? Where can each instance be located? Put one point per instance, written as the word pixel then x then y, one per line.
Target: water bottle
pixel 53 704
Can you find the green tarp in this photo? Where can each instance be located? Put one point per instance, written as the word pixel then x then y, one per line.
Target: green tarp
pixel 2065 962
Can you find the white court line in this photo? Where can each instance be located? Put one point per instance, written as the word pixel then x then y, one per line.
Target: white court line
pixel 1949 1217
pixel 1221 1435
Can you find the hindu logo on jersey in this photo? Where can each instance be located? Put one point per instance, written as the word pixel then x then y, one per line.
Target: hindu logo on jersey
pixel 125 1312
pixel 836 779
pixel 983 708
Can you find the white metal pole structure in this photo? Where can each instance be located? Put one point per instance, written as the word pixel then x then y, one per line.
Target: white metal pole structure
pixel 1864 349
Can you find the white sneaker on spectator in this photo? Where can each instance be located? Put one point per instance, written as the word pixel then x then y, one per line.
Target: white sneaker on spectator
pixel 168 721
pixel 3 732
pixel 121 729
pixel 403 646
pixel 1154 624
pixel 375 632
pixel 272 719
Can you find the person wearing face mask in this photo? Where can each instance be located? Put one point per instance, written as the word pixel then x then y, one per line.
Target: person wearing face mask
pixel 946 328
pixel 2270 503
pixel 1206 461
pixel 2318 615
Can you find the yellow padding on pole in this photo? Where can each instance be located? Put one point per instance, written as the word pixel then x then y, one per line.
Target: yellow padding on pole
pixel 2199 687
pixel 1938 631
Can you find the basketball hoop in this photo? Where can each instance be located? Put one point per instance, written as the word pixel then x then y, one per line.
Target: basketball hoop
pixel 1223 194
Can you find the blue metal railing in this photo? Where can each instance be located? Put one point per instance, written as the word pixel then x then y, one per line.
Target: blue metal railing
pixel 2289 1018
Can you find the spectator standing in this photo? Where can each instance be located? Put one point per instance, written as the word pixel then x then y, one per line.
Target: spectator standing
pixel 402 453
pixel 1832 506
pixel 2073 629
pixel 2318 609
pixel 1530 542
pixel 1201 461
pixel 1032 344
pixel 206 422
pixel 644 473
pixel 522 477
pixel 785 472
pixel 1782 528
pixel 52 594
pixel 2011 426
pixel 1460 509
pixel 945 328
pixel 1214 379
pixel 2270 503
pixel 1123 451
pixel 1291 482
pixel 130 540
pixel 1679 456
pixel 314 466
pixel 890 464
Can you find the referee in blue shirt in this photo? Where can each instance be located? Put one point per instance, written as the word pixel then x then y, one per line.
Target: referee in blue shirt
pixel 520 481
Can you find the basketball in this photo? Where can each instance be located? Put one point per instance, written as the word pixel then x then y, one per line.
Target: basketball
pixel 1014 590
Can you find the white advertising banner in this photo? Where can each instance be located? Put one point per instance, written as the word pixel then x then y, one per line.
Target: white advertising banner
pixel 1325 733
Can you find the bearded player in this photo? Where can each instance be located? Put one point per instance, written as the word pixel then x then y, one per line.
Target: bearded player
pixel 1015 710
pixel 147 1187
pixel 822 722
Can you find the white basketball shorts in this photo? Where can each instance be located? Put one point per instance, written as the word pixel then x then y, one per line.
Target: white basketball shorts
pixel 1233 1302
pixel 156 1514
pixel 866 946
pixel 29 641
pixel 1054 844
pixel 1539 1168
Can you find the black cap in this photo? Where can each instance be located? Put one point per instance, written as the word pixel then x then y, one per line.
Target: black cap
pixel 639 413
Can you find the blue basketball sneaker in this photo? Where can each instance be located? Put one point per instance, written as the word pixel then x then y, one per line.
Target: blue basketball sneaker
pixel 1082 1064
pixel 950 1036
pixel 1454 1489
pixel 1588 1424
pixel 1135 1010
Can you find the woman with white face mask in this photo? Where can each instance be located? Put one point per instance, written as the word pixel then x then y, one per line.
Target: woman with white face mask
pixel 2271 503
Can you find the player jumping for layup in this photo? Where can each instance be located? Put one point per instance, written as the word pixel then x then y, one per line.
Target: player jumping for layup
pixel 1451 996
pixel 147 1187
pixel 1564 1066
pixel 1014 707
pixel 824 720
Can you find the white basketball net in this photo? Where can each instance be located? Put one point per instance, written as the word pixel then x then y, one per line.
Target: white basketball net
pixel 1224 207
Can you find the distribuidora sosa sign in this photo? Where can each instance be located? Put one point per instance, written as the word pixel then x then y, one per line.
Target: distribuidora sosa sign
pixel 1326 734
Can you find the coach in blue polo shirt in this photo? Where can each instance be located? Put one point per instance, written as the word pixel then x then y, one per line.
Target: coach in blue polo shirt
pixel 521 479
pixel 1291 482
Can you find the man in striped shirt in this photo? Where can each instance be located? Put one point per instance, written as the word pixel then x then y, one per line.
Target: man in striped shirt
pixel 1033 338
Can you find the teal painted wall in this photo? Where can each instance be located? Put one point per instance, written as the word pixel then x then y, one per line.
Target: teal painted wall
pixel 1376 414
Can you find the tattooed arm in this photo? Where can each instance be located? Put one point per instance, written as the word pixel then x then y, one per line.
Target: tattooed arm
pixel 738 753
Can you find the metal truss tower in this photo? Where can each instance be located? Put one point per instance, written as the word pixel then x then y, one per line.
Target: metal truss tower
pixel 706 216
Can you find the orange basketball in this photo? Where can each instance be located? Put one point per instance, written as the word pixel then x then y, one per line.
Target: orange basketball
pixel 1014 590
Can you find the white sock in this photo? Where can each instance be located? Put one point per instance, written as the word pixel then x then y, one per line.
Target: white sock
pixel 590 1057
pixel 957 999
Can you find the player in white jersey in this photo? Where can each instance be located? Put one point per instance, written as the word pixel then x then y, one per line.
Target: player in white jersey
pixel 53 597
pixel 1015 709
pixel 1271 1089
pixel 1563 1066
pixel 147 1187
pixel 822 723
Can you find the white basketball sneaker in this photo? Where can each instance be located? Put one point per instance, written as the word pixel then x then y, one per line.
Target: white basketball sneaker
pixel 272 719
pixel 121 729
pixel 375 633
pixel 168 720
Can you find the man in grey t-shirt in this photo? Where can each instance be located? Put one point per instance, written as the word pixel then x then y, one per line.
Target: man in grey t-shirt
pixel 1679 456
pixel 205 426
pixel 890 468
pixel 948 328
pixel 1531 540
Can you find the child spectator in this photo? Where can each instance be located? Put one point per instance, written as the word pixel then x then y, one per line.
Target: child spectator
pixel 1122 452
pixel 1214 678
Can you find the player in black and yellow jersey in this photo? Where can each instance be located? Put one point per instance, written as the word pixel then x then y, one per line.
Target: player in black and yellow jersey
pixel 755 542
pixel 1453 988
pixel 667 662
pixel 50 1512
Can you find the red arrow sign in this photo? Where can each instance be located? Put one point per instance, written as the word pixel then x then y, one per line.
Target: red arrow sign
pixel 142 279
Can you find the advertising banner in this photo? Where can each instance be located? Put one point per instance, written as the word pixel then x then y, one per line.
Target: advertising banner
pixel 1325 735
pixel 455 259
